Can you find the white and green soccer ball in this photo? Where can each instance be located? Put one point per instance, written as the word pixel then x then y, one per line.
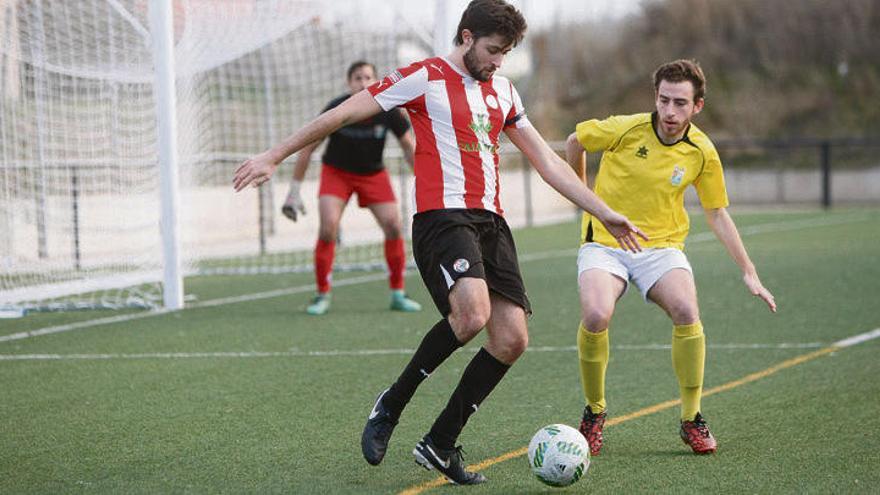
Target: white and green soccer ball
pixel 559 455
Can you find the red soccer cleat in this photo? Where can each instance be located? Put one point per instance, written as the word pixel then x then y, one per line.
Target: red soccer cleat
pixel 696 434
pixel 591 429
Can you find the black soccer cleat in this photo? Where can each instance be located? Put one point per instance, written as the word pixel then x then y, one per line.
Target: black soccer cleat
pixel 449 462
pixel 377 432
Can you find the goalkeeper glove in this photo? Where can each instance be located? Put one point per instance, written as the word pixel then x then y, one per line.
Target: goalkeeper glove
pixel 294 201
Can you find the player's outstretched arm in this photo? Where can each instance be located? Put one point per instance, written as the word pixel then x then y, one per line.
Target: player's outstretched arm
pixel 556 172
pixel 258 169
pixel 724 228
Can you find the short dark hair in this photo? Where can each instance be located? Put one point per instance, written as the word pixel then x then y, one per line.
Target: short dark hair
pixel 490 17
pixel 357 65
pixel 682 70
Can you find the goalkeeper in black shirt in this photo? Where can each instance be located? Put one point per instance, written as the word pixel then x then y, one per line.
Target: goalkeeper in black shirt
pixel 352 164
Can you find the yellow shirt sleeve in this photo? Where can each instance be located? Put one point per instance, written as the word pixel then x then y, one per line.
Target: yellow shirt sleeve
pixel 710 183
pixel 598 135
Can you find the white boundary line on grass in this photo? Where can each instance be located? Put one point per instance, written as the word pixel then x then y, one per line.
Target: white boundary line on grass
pixel 365 352
pixel 203 304
pixel 858 339
pixel 693 239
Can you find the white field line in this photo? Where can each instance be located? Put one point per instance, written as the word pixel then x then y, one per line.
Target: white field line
pixel 694 239
pixel 380 352
pixel 203 304
pixel 858 339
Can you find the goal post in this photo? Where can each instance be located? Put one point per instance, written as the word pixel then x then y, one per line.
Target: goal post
pixel 162 29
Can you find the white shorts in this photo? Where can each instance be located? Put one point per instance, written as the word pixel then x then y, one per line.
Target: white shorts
pixel 644 268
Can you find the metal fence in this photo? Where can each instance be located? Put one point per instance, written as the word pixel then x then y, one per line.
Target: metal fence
pixel 800 171
pixel 810 165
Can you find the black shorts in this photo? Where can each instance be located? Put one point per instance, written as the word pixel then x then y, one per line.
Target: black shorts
pixel 453 243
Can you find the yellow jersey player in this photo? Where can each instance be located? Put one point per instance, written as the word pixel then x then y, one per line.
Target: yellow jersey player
pixel 648 160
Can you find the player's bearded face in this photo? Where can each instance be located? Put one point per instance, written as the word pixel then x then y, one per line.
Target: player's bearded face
pixel 675 109
pixel 485 56
pixel 479 71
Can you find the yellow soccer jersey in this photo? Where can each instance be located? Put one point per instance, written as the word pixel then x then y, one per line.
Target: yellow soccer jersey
pixel 645 180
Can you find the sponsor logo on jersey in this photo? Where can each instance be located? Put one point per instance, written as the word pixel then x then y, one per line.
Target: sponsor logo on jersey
pixel 461 265
pixel 642 152
pixel 478 147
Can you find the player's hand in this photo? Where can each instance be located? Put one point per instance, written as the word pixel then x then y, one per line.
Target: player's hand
pixel 624 231
pixel 294 201
pixel 255 171
pixel 757 289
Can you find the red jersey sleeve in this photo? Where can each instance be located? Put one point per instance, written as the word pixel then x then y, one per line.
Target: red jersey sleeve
pixel 400 87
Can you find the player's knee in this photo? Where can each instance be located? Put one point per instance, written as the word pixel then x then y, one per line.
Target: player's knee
pixel 473 322
pixel 507 346
pixel 328 232
pixel 515 345
pixel 683 312
pixel 392 231
pixel 467 322
pixel 596 319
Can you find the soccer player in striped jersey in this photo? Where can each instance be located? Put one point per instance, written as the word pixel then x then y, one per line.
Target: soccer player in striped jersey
pixel 352 164
pixel 463 247
pixel 648 160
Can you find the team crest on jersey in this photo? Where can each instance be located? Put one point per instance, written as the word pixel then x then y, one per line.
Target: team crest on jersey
pixel 482 127
pixel 677 176
pixel 492 102
pixel 461 265
pixel 481 124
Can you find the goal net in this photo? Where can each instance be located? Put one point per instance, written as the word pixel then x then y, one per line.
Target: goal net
pixel 79 173
pixel 79 181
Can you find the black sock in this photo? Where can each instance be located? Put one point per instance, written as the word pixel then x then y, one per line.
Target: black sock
pixel 437 345
pixel 479 378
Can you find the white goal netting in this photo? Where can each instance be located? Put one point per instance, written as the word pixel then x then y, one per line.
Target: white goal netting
pixel 79 178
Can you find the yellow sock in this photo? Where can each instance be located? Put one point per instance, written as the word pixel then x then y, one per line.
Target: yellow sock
pixel 688 360
pixel 593 354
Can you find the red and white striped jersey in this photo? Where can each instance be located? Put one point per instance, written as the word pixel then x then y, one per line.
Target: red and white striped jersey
pixel 457 122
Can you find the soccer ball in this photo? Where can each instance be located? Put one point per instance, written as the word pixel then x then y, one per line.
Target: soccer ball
pixel 559 455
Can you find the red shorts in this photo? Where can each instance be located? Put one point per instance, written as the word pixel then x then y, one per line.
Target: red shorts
pixel 370 188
